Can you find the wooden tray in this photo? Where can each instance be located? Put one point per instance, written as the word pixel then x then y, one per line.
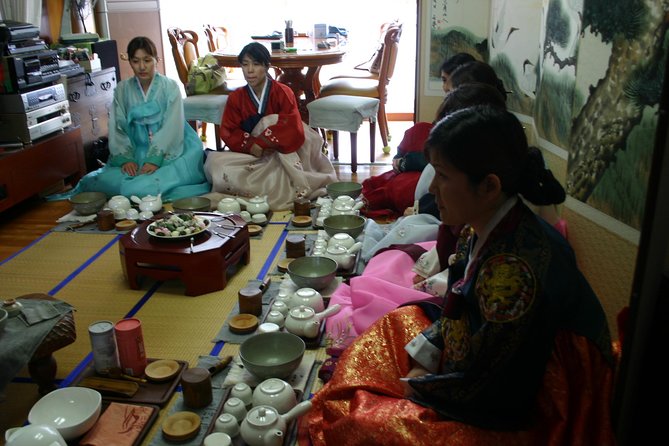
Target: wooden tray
pixel 150 392
pixel 237 440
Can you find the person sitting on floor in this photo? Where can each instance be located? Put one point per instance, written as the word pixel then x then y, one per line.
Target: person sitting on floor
pixel 388 278
pixel 518 352
pixel 389 194
pixel 272 152
pixel 152 148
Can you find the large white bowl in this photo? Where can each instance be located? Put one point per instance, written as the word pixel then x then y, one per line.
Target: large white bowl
pixel 71 410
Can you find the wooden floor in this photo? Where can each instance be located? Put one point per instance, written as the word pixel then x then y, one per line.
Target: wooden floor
pixel 24 223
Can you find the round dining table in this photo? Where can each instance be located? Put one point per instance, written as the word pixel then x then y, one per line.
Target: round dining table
pixel 305 86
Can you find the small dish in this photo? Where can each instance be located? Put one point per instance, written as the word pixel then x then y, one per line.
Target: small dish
pixel 283 264
pixel 125 225
pixel 181 426
pixel 301 221
pixel 254 229
pixel 162 370
pixel 243 323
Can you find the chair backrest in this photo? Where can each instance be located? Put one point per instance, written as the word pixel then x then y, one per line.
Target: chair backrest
pixel 217 37
pixel 391 41
pixel 184 50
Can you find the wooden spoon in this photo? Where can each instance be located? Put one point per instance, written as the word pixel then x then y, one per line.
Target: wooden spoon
pixel 117 373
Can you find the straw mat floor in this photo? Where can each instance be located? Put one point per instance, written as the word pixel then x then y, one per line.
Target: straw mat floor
pixel 85 271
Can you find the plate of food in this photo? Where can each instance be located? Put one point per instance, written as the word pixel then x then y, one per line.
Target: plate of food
pixel 178 226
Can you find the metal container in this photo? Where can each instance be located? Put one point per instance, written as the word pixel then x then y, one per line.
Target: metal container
pixel 103 345
pixel 130 342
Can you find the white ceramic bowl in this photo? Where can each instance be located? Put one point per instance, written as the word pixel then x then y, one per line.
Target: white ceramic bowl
pixel 71 410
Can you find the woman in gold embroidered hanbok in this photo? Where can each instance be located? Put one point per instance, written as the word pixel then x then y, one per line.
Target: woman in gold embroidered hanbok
pixel 519 352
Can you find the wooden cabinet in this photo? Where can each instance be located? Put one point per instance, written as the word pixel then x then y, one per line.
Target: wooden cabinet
pixel 28 171
pixel 91 96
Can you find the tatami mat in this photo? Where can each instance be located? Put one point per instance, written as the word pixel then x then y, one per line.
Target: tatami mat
pixel 85 271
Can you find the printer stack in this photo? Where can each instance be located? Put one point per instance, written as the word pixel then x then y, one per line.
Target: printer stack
pixel 32 104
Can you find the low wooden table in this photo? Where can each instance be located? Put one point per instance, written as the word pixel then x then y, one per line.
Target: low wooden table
pixel 202 267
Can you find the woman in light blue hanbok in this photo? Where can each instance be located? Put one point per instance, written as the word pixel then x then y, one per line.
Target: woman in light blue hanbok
pixel 152 148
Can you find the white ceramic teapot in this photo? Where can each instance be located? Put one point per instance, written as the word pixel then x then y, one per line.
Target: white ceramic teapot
pixel 151 203
pixel 255 205
pixel 341 239
pixel 34 435
pixel 274 392
pixel 119 202
pixel 264 426
pixel 304 321
pixel 346 209
pixel 345 257
pixel 345 200
pixel 228 205
pixel 308 297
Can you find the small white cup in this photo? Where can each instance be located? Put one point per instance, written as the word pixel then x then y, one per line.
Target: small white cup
pixel 280 306
pixel 235 407
pixel 259 219
pixel 132 214
pixel 246 215
pixel 218 439
pixel 227 423
pixel 243 392
pixel 275 317
pixel 145 215
pixel 268 327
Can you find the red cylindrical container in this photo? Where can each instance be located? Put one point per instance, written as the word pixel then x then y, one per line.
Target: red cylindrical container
pixel 130 343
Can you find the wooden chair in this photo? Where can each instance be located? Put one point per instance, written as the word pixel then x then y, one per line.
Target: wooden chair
pixel 370 87
pixel 202 107
pixel 217 39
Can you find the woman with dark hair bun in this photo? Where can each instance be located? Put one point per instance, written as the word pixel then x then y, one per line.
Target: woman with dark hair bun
pixel 517 353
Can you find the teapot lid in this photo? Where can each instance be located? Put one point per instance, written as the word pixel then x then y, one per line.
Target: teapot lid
pixel 258 199
pixel 302 312
pixel 262 416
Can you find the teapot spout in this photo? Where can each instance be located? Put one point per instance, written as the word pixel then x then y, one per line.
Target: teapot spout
pixel 273 437
pixel 297 411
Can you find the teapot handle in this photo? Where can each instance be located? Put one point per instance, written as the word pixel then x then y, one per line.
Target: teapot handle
pixel 297 411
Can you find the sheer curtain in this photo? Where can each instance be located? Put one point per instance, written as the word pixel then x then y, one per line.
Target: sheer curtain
pixel 29 11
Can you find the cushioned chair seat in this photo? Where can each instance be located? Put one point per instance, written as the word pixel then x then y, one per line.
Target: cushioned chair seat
pixel 345 113
pixel 205 107
pixel 351 86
